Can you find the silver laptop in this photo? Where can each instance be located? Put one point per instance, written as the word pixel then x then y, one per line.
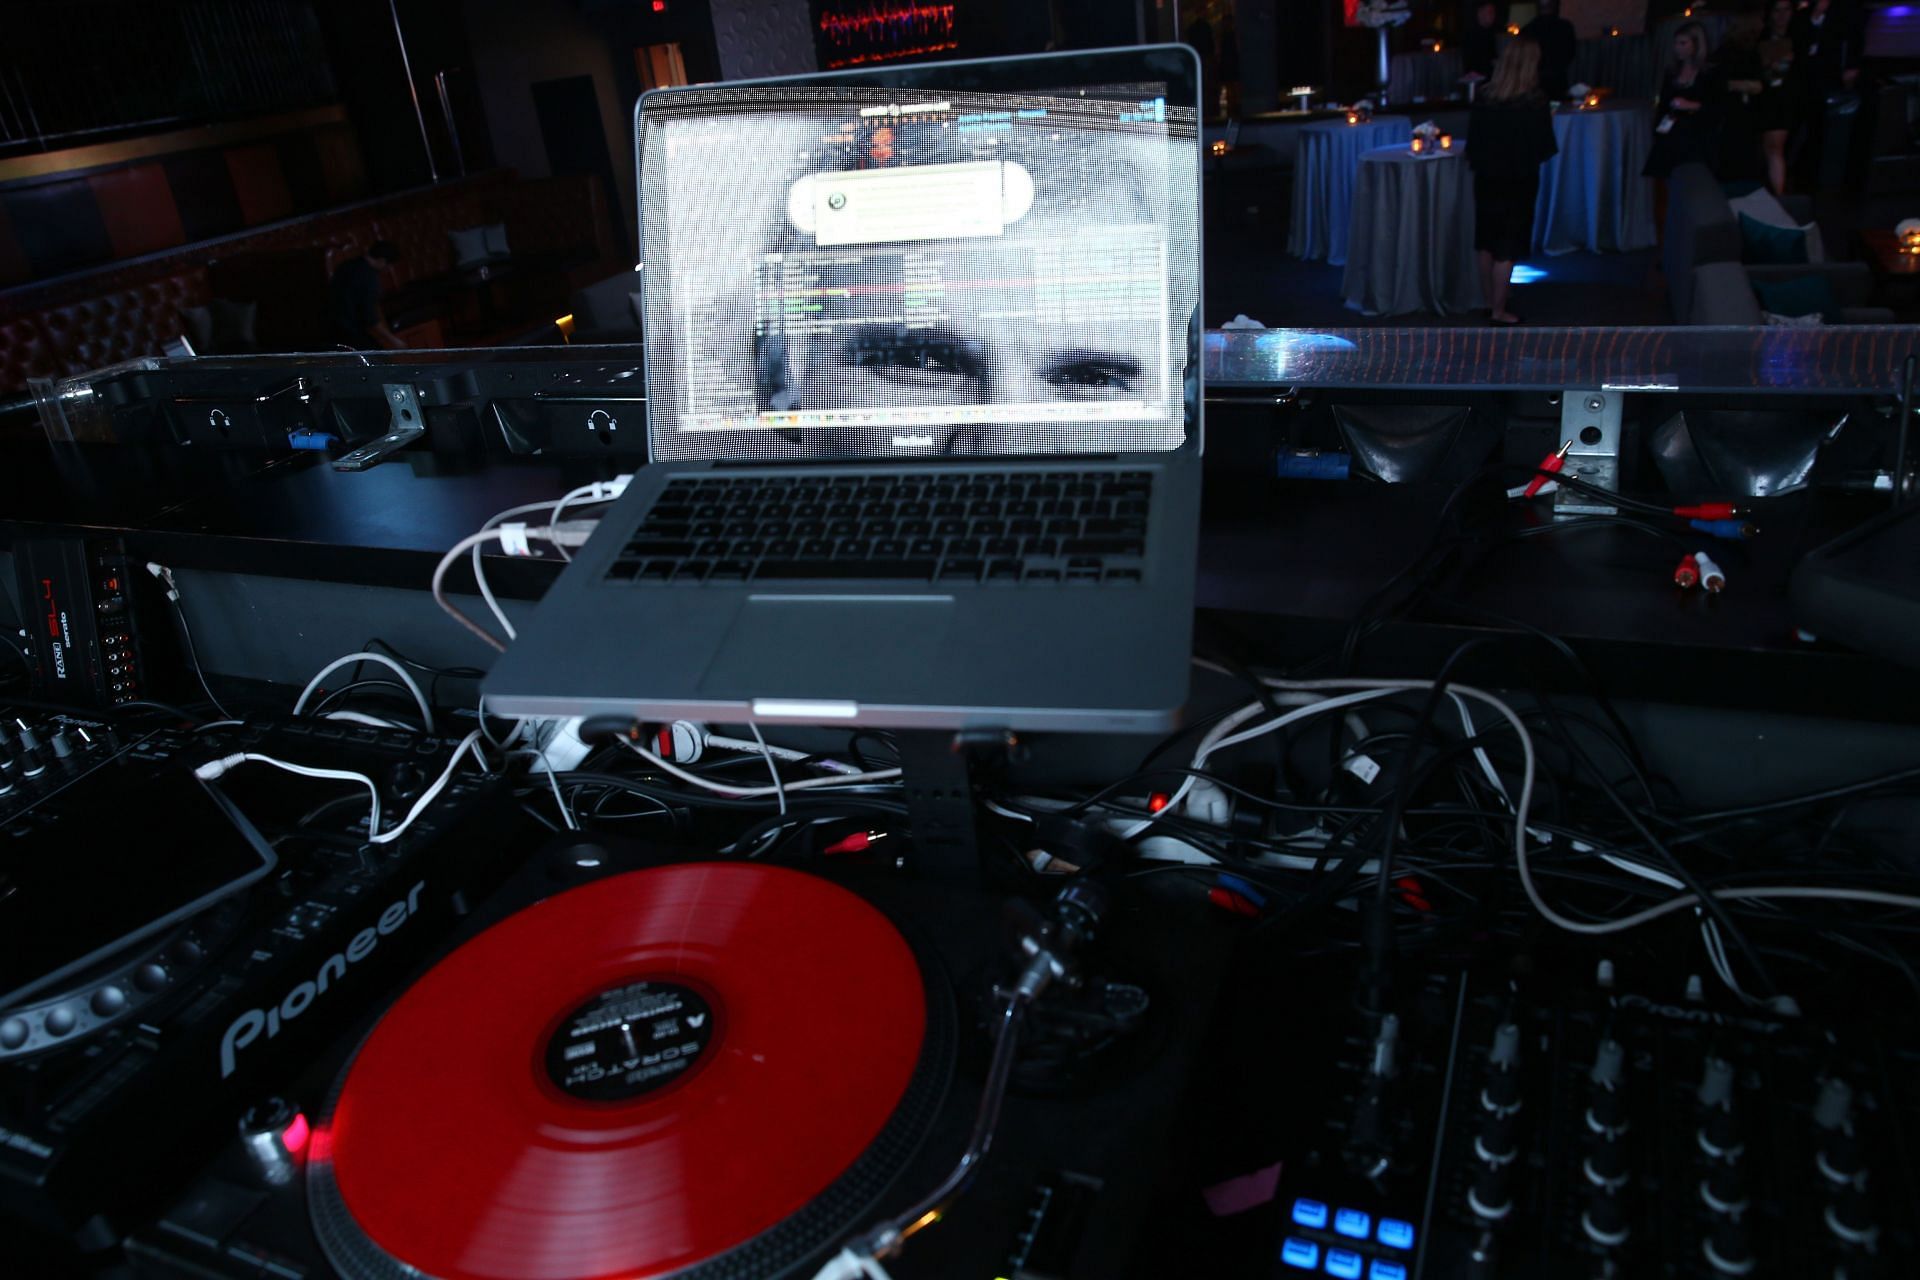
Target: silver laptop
pixel 923 407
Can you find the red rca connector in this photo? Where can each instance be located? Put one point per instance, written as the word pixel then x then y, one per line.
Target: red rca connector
pixel 1687 573
pixel 1413 893
pixel 1708 511
pixel 1553 462
pixel 1232 903
pixel 1711 576
pixel 858 842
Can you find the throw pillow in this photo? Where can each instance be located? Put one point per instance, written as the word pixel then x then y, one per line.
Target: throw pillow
pixel 469 246
pixel 1763 206
pixel 1761 244
pixel 496 240
pixel 1796 296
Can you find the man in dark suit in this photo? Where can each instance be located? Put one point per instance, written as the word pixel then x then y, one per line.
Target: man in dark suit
pixel 1554 35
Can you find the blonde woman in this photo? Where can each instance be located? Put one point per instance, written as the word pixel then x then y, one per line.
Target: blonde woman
pixel 1509 136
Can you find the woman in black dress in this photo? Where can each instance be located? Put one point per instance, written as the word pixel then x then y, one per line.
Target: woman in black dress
pixel 1777 106
pixel 1509 136
pixel 1683 127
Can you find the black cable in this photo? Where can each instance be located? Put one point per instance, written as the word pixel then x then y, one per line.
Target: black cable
pixel 193 657
pixel 1578 523
pixel 1807 798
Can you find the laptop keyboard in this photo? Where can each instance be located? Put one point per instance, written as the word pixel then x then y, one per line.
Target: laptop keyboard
pixel 1041 528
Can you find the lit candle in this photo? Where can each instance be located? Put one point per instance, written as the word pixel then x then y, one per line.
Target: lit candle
pixel 1419 144
pixel 1353 117
pixel 1446 142
pixel 1593 99
pixel 1513 28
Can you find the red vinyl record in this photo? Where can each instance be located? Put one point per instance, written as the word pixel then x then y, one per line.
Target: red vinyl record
pixel 628 1079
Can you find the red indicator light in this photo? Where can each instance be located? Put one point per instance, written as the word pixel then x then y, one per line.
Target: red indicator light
pixel 659 6
pixel 1156 802
pixel 295 1135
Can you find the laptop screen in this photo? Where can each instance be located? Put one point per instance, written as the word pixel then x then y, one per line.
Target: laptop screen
pixel 857 270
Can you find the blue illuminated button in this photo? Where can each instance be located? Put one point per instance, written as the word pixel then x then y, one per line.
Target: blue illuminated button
pixel 1304 1254
pixel 1343 1264
pixel 1310 1213
pixel 1396 1234
pixel 1384 1270
pixel 1352 1222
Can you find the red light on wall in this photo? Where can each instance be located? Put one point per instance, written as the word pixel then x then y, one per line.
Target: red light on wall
pixel 659 6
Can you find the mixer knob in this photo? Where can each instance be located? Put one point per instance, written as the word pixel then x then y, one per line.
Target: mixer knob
pixel 1502 1092
pixel 1840 1159
pixel 1606 1165
pixel 1725 1189
pixel 1605 1220
pixel 1850 1217
pixel 1607 1113
pixel 1729 1248
pixel 1716 1084
pixel 62 745
pixel 1609 1063
pixel 1833 1108
pixel 1497 1142
pixel 1490 1196
pixel 1382 1060
pixel 1722 1136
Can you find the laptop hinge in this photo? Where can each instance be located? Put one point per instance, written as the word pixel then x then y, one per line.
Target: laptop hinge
pixel 937 772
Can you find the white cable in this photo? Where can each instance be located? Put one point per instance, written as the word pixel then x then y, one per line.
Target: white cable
pixel 747 793
pixel 1524 803
pixel 214 769
pixel 426 711
pixel 361 717
pixel 1480 753
pixel 779 791
pixel 1222 736
pixel 469 743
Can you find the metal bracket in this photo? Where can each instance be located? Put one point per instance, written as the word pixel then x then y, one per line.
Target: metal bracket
pixel 1590 428
pixel 404 425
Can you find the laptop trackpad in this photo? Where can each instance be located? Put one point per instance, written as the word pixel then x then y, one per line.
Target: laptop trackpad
pixel 868 649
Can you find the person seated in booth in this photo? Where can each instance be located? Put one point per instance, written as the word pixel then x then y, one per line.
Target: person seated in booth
pixel 1558 43
pixel 353 300
pixel 1509 136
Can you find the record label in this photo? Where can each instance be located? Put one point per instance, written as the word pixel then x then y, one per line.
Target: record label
pixel 630 1041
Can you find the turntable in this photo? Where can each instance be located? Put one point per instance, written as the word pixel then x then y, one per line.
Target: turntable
pixel 637 1067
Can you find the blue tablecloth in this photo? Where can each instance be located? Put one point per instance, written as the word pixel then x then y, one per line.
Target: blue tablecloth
pixel 1324 166
pixel 1412 235
pixel 1592 195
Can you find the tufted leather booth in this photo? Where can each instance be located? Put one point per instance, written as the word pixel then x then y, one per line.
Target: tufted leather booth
pixel 556 227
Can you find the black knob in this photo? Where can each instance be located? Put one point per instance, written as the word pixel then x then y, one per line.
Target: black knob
pixel 1850 1217
pixel 1606 1164
pixel 1605 1220
pixel 1729 1248
pixel 1607 1112
pixel 1724 1190
pixel 1840 1159
pixel 1498 1141
pixel 62 745
pixel 1490 1196
pixel 1716 1084
pixel 1722 1136
pixel 1502 1091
